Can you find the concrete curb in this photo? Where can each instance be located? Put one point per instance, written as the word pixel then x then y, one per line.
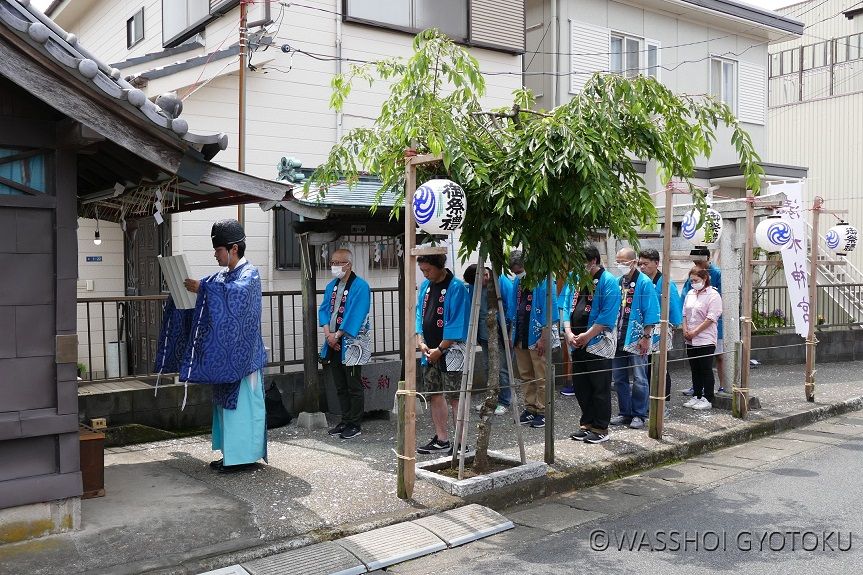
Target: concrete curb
pixel 557 481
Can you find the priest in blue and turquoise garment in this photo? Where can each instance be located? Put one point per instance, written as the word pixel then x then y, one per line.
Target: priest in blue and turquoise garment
pixel 219 344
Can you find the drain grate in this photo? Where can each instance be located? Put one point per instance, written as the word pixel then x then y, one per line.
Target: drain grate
pixel 326 558
pixel 465 524
pixel 393 544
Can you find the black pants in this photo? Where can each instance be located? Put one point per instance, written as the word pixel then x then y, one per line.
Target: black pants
pixel 349 387
pixel 701 363
pixel 667 380
pixel 592 390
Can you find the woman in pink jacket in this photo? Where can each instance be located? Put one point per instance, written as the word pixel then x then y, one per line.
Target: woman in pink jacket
pixel 701 311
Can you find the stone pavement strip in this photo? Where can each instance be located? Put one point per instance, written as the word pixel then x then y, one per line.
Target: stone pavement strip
pixel 166 512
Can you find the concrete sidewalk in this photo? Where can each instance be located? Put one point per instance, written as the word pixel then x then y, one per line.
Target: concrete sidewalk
pixel 165 511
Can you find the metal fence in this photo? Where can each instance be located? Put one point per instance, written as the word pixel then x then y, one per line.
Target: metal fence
pixel 839 305
pixel 117 336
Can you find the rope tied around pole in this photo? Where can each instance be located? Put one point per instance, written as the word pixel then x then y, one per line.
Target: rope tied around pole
pixel 414 393
pixel 400 456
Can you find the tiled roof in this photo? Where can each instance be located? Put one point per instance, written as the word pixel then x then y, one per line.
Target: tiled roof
pixel 44 35
pixel 362 195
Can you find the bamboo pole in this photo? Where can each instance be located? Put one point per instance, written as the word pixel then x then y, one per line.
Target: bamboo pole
pixel 507 347
pixel 549 373
pixel 809 384
pixel 740 395
pixel 657 383
pixel 463 411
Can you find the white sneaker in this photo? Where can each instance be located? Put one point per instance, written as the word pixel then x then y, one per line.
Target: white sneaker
pixel 702 404
pixel 691 402
pixel 500 409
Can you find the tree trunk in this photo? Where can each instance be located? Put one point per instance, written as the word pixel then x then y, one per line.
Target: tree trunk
pixel 481 461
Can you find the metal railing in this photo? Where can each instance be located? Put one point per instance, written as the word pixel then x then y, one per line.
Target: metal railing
pixel 772 308
pixel 118 335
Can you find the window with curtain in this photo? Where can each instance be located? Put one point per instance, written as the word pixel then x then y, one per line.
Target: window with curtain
pixel 723 81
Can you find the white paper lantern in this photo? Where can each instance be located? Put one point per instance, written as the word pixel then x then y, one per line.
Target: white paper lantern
pixel 697 232
pixel 439 207
pixel 773 234
pixel 842 238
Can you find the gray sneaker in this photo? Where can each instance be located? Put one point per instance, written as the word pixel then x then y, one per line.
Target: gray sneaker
pixel 620 420
pixel 636 423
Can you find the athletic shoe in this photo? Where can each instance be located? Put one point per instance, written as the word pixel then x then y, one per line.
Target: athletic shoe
pixel 434 446
pixel 526 417
pixel 593 437
pixel 466 450
pixel 350 431
pixel 620 420
pixel 721 390
pixel 703 404
pixel 636 423
pixel 235 468
pixel 568 391
pixel 500 409
pixel 217 464
pixel 579 435
pixel 691 402
pixel 337 429
pixel 538 421
pixel 666 413
pixel 689 392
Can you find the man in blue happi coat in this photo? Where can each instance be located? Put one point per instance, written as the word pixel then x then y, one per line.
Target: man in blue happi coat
pixel 639 312
pixel 221 345
pixel 648 263
pixel 441 328
pixel 344 315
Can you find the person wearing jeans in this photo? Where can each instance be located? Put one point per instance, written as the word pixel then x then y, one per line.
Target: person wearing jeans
pixel 702 309
pixel 639 312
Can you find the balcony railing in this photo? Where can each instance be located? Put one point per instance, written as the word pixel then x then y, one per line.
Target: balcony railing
pixel 772 307
pixel 117 336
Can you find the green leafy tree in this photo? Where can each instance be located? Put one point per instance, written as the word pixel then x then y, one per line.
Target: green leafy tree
pixel 542 180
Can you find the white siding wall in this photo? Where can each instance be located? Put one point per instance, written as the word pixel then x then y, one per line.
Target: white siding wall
pixel 686 48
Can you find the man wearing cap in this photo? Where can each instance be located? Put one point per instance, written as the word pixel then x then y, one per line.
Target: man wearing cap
pixel 225 350
pixel 344 316
pixel 703 261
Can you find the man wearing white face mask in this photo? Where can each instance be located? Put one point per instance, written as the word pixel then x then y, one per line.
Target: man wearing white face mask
pixel 344 315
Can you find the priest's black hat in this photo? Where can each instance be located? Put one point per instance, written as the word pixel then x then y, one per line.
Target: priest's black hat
pixel 226 233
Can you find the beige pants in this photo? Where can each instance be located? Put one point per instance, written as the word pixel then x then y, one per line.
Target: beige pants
pixel 531 371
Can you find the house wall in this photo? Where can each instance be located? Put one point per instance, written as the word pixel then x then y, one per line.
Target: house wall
pixel 825 134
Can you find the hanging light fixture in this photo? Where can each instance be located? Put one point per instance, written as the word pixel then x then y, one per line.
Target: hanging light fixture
pixel 97 239
pixel 842 238
pixel 773 234
pixel 699 232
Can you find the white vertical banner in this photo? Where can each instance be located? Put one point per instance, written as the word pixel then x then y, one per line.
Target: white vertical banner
pixel 794 254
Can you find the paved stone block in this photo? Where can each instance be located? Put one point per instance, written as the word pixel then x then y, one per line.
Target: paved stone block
pixel 693 473
pixel 393 544
pixel 327 558
pixel 650 487
pixel 603 500
pixel 232 570
pixel 817 437
pixel 844 431
pixel 553 517
pixel 465 524
pixel 760 453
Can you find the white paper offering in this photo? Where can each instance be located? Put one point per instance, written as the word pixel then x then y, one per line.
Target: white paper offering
pixel 175 270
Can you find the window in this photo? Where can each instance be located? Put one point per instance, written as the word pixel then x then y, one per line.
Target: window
pixel 723 81
pixel 22 172
pixel 633 56
pixel 449 16
pixel 135 28
pixel 181 19
pixel 287 242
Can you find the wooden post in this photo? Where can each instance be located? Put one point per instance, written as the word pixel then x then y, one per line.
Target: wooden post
pixel 549 372
pixel 406 474
pixel 809 384
pixel 311 397
pixel 740 395
pixel 660 368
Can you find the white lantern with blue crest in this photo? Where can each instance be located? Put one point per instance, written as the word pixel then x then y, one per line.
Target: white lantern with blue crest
pixel 701 232
pixel 773 234
pixel 842 238
pixel 439 207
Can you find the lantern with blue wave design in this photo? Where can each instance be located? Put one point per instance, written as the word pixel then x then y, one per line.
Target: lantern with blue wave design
pixel 699 232
pixel 439 207
pixel 773 234
pixel 842 238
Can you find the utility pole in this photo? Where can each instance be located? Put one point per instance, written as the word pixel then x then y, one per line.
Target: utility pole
pixel 241 140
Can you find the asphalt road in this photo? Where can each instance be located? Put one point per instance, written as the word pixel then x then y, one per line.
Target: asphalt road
pixel 789 504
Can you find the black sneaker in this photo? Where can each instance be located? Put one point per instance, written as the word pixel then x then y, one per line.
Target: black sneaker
pixel 434 446
pixel 526 417
pixel 236 468
pixel 467 450
pixel 337 429
pixel 217 464
pixel 593 437
pixel 350 431
pixel 538 421
pixel 579 435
